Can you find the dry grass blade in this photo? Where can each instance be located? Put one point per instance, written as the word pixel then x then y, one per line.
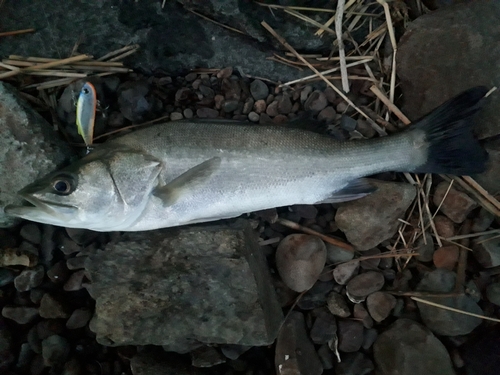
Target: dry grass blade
pixel 331 240
pixel 394 44
pixel 444 307
pixel 215 22
pixel 309 20
pixel 462 258
pixel 118 52
pixel 338 29
pixel 16 32
pixel 46 65
pixel 384 99
pixel 274 6
pixel 472 235
pixel 482 191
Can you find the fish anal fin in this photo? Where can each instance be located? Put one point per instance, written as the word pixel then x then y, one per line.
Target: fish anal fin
pixel 188 181
pixel 354 190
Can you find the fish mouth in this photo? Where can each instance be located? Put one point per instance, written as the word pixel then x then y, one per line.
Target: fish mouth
pixel 33 208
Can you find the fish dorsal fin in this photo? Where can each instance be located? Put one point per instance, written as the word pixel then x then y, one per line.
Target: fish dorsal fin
pixel 189 180
pixel 354 190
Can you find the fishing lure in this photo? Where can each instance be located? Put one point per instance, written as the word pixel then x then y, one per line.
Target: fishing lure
pixel 85 112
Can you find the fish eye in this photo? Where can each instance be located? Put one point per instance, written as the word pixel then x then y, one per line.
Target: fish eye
pixel 62 186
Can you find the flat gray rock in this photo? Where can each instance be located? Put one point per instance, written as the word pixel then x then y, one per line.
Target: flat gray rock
pixel 368 221
pixel 29 148
pixel 448 51
pixel 408 348
pixel 182 287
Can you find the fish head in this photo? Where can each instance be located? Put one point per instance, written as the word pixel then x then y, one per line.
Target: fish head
pixel 97 193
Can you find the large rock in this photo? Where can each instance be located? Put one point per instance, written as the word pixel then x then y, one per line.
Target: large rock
pixel 182 287
pixel 448 51
pixel 368 221
pixel 408 348
pixel 29 148
pixel 445 322
pixel 171 39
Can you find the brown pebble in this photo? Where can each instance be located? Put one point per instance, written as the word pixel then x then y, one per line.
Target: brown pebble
pixel 225 73
pixel 265 119
pixel 280 119
pixel 59 273
pixel 350 335
pixel 364 284
pixel 75 281
pixel 316 101
pixel 457 204
pixel 248 106
pixel 260 106
pixel 207 113
pixel 330 95
pixel 342 107
pixel 446 257
pixel 328 114
pixel 269 99
pixel 218 99
pixel 345 271
pixel 337 305
pixel 380 305
pixel 362 314
pixel 231 89
pixel 304 94
pixel 284 104
pixel 76 263
pixel 272 109
pixel 365 128
pixel 444 226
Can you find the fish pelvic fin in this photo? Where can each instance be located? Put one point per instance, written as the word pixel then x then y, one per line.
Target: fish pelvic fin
pixel 451 145
pixel 353 190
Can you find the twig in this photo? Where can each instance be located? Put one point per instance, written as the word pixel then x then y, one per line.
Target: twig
pixel 444 307
pixel 424 294
pixel 384 99
pixel 47 65
pixel 472 235
pixel 17 32
pixel 462 258
pixel 338 29
pixel 331 240
pixel 118 51
pixel 394 44
pixel 481 191
pixel 309 20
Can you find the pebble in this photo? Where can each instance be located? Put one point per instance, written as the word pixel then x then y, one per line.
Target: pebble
pixel 337 305
pixel 248 106
pixel 233 351
pixel 425 250
pixel 134 100
pixel 190 77
pixel 315 102
pixel 300 258
pixel 6 353
pixel 487 250
pixel 371 335
pixel 6 276
pixel 207 113
pixel 253 116
pixel 316 296
pixel 444 226
pixel 34 340
pixel 280 119
pixel 347 123
pixel 231 89
pixel 206 91
pixel 66 244
pixel 260 106
pixel 36 295
pixel 50 308
pixel 446 257
pixel 493 293
pixel 272 109
pixel 81 236
pixel 59 273
pixel 295 353
pixel 78 318
pixel 76 263
pixel 230 105
pixel 305 211
pixel 345 272
pixel 218 99
pixel 324 328
pixel 55 350
pixel 29 278
pixel 417 350
pixel 21 315
pixel 176 116
pixel 304 93
pixel 330 95
pixel 362 314
pixel 482 221
pixel 327 115
pixel 225 72
pixel 188 113
pixel 369 221
pixel 206 356
pixel 49 327
pixel 259 89
pixel 25 255
pixel 444 322
pixel 284 104
pixel 350 333
pixel 326 357
pixel 25 357
pixel 335 254
pixel 365 128
pixel 363 285
pixel 265 119
pixel 370 264
pixel 75 281
pixel 182 94
pixel 354 364
pixel 380 305
pixel 457 204
pixel 32 233
pixel 342 107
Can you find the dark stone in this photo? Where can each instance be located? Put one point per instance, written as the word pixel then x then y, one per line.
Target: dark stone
pixel 350 334
pixel 324 328
pixel 480 353
pixel 55 350
pixel 157 362
pixel 208 283
pixel 29 278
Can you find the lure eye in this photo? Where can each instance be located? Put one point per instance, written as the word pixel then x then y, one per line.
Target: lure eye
pixel 86 91
pixel 62 186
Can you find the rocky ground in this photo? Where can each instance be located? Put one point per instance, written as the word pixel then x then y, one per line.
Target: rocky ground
pixel 257 295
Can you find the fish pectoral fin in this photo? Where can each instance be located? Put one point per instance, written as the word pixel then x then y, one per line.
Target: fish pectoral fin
pixel 354 190
pixel 189 180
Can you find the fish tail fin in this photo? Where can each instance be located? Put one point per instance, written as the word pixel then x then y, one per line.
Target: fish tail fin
pixel 451 145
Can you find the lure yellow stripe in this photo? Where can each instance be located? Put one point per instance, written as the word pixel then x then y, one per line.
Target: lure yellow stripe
pixel 85 112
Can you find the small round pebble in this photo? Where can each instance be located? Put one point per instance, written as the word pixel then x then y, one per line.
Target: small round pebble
pixel 188 113
pixel 31 232
pixel 259 89
pixel 230 105
pixel 338 305
pixel 253 116
pixel 363 285
pixel 207 113
pixel 284 104
pixel 380 305
pixel 316 101
pixel 191 77
pixel 345 272
pixel 260 106
pixel 272 109
pixel 327 114
pixel 175 116
pixel 444 226
pixel 446 257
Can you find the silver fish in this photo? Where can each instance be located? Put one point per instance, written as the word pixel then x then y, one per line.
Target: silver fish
pixel 185 172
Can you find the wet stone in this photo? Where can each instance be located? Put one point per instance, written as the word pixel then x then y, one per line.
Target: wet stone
pixel 76 263
pixel 25 357
pixel 354 364
pixel 29 278
pixel 284 104
pixel 206 356
pixel 365 128
pixel 380 305
pixel 446 257
pixel 176 116
pixel 425 248
pixel 78 318
pixel 338 305
pixel 59 273
pixel 6 276
pixel 55 350
pixel 364 284
pixel 324 328
pixel 345 272
pixel 362 314
pixel 444 226
pixel 31 232
pixel 75 281
pixel 259 89
pixel 21 315
pixel 350 335
pixel 457 204
pixel 207 113
pixel 272 109
pixel 316 101
pixel 51 308
pixel 327 114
